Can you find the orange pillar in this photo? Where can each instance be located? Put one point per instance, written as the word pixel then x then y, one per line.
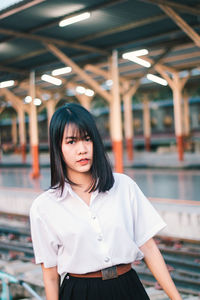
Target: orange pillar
pixel 177 96
pixel 34 130
pixel 116 122
pixel 22 133
pixel 147 123
pixel 128 122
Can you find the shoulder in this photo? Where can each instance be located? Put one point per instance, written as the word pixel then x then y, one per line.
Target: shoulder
pixel 123 179
pixel 43 202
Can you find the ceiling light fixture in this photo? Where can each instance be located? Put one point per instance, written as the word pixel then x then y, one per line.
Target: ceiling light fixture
pixel 51 79
pixel 61 71
pixel 80 89
pixel 5 84
pixel 89 92
pixel 133 56
pixel 74 19
pixel 28 99
pixel 37 101
pixel 157 79
pixel 140 61
pixel 140 52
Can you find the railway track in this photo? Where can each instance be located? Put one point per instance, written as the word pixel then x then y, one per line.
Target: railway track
pixel 181 256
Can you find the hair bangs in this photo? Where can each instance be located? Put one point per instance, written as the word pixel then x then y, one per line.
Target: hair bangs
pixel 79 126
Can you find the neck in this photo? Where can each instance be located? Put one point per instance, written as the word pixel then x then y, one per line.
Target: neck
pixel 83 180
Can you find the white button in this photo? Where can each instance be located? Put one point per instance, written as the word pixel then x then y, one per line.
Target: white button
pixel 107 259
pixel 100 238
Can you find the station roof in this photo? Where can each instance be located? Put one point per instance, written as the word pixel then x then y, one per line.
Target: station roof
pixel 168 29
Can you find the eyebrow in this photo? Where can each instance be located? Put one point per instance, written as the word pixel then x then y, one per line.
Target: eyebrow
pixel 75 137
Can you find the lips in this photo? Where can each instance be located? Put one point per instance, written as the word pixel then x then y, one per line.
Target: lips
pixel 83 161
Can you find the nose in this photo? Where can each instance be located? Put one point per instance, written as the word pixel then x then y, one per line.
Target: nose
pixel 82 149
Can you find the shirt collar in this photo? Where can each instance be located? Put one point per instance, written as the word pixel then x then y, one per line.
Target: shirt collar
pixel 56 193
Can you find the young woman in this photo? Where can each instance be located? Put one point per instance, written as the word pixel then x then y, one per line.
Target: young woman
pixel 92 224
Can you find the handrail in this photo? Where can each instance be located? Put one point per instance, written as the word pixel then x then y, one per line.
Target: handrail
pixel 6 279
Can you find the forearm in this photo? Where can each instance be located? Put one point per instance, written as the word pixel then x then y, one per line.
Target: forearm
pixel 51 283
pixel 157 266
pixel 51 289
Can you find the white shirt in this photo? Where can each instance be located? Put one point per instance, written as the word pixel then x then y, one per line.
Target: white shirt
pixel 78 238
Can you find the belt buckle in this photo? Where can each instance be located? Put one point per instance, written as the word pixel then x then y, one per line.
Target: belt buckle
pixel 109 273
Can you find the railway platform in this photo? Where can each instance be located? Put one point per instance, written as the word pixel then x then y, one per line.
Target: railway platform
pixel 162 158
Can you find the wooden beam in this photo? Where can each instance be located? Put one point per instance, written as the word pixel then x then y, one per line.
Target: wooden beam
pixel 121 28
pixel 91 82
pixel 15 100
pixel 181 7
pixel 19 8
pixel 182 24
pixel 103 73
pixel 96 70
pixel 161 70
pixel 44 39
pixel 184 80
pixel 131 91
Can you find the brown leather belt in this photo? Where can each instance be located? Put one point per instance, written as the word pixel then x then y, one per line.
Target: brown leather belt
pixel 108 273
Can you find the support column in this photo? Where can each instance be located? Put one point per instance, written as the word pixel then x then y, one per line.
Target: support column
pixel 128 122
pixel 177 96
pixel 176 83
pixel 186 115
pixel 116 116
pixel 147 123
pixel 85 101
pixel 14 131
pixel 34 129
pixel 22 133
pixel 50 105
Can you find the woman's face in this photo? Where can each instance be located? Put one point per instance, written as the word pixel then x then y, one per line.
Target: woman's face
pixel 77 151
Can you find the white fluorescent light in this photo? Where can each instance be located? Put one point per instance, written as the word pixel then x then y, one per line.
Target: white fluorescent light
pixel 37 101
pixel 157 79
pixel 5 84
pixel 51 79
pixel 80 89
pixel 135 53
pixel 89 92
pixel 139 61
pixel 27 99
pixel 109 82
pixel 74 19
pixel 61 71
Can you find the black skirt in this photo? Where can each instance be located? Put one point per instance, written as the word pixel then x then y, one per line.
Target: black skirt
pixel 125 287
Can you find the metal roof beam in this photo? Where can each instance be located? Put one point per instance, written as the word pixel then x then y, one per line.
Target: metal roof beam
pixel 121 28
pixel 182 24
pixel 77 12
pixel 12 70
pixel 59 42
pixel 181 7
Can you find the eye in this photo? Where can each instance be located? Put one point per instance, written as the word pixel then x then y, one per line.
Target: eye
pixel 88 139
pixel 71 142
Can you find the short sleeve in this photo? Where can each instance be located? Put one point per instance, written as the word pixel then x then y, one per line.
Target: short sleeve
pixel 147 221
pixel 45 245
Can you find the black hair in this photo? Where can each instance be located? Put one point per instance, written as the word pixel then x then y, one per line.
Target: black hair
pixel 77 115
